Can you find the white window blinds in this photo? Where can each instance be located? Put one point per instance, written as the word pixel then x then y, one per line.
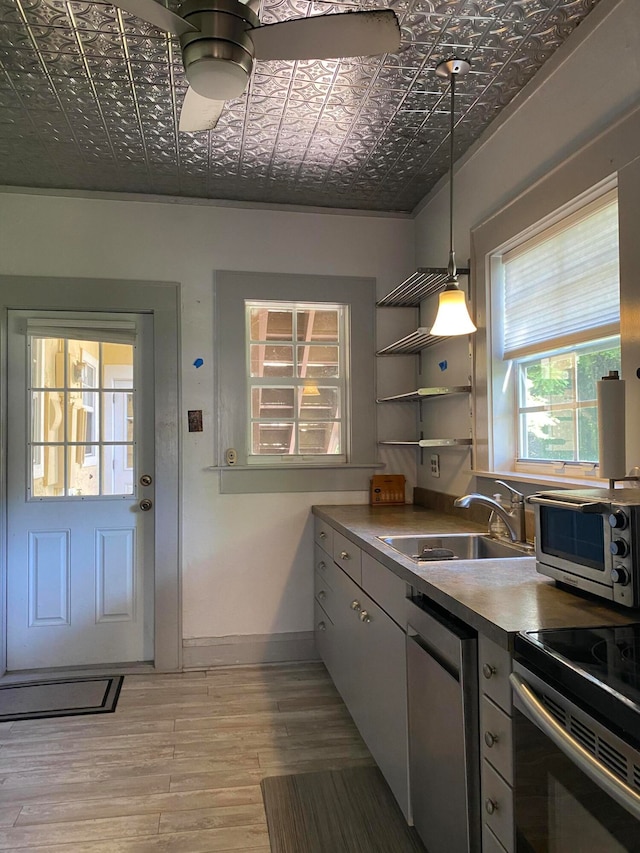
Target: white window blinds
pixel 562 287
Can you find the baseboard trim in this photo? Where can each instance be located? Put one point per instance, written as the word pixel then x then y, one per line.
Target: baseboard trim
pixel 205 652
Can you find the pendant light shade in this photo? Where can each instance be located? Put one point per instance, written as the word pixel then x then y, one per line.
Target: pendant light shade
pixel 453 315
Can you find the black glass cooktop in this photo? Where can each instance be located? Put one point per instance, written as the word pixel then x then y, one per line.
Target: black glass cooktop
pixel 600 666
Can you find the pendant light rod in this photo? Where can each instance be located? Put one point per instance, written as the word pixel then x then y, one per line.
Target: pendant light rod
pixel 449 70
pixel 453 272
pixel 453 315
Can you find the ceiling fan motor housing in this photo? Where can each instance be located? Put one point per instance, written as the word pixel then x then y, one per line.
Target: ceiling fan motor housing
pixel 219 57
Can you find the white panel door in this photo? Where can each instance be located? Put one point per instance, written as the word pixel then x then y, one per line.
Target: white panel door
pixel 80 435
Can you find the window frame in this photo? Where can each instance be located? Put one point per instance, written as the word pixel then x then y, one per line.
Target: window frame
pixel 231 290
pixel 495 397
pixel 341 382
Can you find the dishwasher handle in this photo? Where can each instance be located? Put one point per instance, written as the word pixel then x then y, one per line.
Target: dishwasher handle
pixel 433 652
pixel 575 752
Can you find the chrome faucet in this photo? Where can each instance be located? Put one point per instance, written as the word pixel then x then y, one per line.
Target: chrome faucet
pixel 513 517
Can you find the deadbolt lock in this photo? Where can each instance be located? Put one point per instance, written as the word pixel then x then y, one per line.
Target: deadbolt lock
pixel 145 505
pixel 146 480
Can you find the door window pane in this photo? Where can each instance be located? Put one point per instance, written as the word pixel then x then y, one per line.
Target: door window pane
pixel 70 425
pixel 83 476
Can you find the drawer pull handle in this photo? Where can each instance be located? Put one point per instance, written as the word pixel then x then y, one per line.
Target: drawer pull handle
pixel 355 605
pixel 490 806
pixel 322 595
pixel 488 671
pixel 322 626
pixel 344 555
pixel 322 565
pixel 364 616
pixel 322 535
pixel 490 739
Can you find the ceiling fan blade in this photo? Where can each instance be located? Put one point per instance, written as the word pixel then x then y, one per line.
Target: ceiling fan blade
pixel 328 36
pixel 199 113
pixel 156 14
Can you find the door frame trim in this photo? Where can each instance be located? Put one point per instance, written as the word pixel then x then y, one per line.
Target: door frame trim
pixel 162 299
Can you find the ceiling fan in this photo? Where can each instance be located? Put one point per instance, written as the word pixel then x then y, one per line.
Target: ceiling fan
pixel 221 38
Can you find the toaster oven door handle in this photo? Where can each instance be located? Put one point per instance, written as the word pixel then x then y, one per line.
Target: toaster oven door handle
pixel 575 752
pixel 576 506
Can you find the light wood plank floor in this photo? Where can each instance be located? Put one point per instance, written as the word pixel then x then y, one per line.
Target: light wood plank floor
pixel 177 767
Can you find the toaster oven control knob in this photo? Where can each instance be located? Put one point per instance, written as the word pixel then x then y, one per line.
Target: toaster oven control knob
pixel 620 575
pixel 619 548
pixel 618 520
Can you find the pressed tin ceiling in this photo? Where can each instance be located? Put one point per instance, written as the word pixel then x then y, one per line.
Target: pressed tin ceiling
pixel 90 99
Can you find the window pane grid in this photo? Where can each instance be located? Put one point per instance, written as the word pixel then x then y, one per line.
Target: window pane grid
pixel 296 386
pixel 81 428
pixel 557 411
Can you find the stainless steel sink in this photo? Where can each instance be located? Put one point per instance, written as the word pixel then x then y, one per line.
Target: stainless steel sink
pixel 454 546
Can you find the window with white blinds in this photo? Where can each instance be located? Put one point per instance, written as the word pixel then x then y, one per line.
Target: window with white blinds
pixel 561 287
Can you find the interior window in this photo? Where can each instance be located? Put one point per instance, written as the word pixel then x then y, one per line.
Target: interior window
pixel 296 365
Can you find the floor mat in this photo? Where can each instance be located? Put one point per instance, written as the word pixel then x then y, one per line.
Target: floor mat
pixel 60 698
pixel 336 811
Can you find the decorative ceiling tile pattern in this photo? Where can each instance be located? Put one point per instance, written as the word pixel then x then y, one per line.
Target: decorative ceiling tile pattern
pixel 90 98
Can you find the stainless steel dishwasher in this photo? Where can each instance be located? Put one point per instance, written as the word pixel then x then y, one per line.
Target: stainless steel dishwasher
pixel 443 728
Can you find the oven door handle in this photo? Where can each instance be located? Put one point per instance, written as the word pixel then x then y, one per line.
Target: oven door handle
pixel 576 506
pixel 575 752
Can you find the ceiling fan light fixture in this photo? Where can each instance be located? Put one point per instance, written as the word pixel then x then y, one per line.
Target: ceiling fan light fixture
pixel 217 79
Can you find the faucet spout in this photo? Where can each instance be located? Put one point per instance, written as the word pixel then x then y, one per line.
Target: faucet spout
pixel 513 518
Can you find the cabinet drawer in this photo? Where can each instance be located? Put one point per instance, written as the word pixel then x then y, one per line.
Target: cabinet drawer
pixel 322 563
pixel 325 638
pixel 385 588
pixel 497 806
pixel 494 666
pixel 496 738
pixel 347 556
pixel 325 596
pixel 323 535
pixel 490 843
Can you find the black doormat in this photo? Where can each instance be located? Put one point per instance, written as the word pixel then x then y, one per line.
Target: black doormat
pixel 61 698
pixel 336 811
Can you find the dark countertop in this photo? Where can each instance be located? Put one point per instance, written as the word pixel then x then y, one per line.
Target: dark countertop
pixel 496 597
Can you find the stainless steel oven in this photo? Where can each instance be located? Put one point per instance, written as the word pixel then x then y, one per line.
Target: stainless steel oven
pixel 590 539
pixel 577 740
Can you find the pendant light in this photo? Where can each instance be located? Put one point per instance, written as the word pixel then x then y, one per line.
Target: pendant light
pixel 453 315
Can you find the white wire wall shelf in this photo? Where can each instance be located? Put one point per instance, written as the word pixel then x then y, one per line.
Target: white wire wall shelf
pixel 425 394
pixel 424 282
pixel 411 344
pixel 431 442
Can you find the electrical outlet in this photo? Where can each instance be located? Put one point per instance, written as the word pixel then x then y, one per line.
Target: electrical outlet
pixel 435 465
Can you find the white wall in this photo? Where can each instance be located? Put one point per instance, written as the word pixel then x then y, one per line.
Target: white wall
pixel 246 559
pixel 592 79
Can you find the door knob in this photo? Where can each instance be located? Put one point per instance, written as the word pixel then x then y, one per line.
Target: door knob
pixel 145 504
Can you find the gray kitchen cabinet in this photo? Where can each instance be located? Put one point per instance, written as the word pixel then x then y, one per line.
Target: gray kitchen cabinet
pixel 496 742
pixel 364 652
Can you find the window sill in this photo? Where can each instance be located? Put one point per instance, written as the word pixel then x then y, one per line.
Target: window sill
pixel 264 479
pixel 297 466
pixel 545 479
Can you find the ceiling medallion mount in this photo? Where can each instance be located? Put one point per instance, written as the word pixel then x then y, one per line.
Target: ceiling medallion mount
pixel 452 67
